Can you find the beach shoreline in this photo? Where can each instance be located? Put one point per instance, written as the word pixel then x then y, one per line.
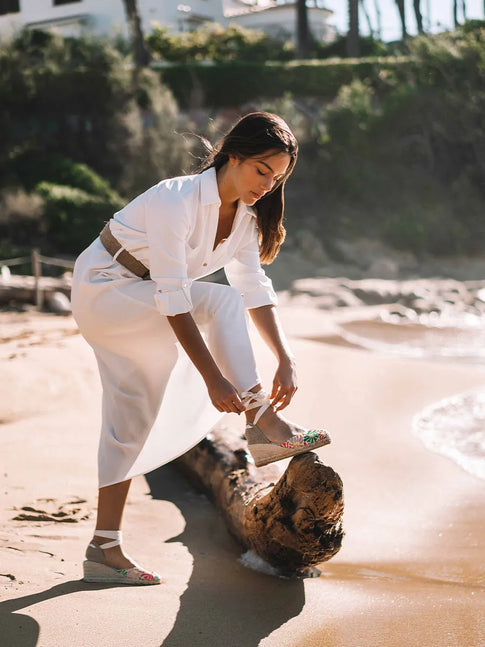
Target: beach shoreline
pixel 410 571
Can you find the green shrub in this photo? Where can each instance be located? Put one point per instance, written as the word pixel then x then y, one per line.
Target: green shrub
pixel 212 42
pixel 369 46
pixel 72 217
pixel 30 170
pixel 239 82
pixel 78 98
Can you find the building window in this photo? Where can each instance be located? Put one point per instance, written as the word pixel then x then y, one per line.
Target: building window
pixel 9 6
pixel 57 2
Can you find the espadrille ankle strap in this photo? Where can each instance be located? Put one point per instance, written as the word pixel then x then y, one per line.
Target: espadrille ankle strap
pixel 116 535
pixel 258 400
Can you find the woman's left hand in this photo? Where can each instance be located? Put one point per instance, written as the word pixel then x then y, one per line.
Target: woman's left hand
pixel 284 384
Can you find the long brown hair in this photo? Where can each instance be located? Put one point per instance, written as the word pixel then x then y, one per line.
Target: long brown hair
pixel 256 134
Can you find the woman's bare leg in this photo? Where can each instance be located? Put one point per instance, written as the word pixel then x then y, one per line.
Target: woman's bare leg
pixel 111 504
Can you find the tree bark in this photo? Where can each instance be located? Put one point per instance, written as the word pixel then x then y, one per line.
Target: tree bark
pixel 455 13
pixel 402 15
pixel 419 16
pixel 353 44
pixel 294 524
pixel 140 51
pixel 303 35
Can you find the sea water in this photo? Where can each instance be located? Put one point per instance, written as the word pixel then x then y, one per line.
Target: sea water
pixel 426 336
pixel 455 426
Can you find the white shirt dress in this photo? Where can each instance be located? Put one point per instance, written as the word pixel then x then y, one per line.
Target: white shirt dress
pixel 155 403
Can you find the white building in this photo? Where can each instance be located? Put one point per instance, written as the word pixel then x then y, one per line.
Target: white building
pixel 107 17
pixel 278 17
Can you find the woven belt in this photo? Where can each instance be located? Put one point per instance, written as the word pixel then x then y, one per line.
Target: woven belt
pixel 124 258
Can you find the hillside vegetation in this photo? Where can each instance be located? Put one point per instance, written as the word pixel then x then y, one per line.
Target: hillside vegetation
pixel 391 147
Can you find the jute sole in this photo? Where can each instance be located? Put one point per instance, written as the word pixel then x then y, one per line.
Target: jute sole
pixel 262 459
pixel 103 574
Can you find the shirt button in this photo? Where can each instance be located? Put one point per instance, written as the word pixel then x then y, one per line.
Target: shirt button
pixel 204 264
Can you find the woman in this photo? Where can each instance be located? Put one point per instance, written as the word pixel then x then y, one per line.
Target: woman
pixel 137 303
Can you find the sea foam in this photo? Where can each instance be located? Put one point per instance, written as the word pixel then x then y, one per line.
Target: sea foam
pixel 455 427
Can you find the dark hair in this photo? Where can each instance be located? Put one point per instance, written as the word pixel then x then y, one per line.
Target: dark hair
pixel 256 134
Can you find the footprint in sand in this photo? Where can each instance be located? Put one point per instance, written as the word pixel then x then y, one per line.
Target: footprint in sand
pixel 71 511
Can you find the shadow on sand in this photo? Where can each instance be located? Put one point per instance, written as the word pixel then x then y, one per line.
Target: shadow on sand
pixel 18 630
pixel 225 603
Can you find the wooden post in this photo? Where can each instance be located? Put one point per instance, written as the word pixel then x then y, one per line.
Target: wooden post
pixel 37 272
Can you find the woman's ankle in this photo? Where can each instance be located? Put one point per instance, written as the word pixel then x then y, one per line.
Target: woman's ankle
pixel 254 405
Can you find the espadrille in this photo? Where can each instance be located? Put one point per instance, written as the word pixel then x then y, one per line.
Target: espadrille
pixel 266 451
pixel 96 569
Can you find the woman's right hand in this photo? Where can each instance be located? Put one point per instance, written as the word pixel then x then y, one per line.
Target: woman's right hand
pixel 224 396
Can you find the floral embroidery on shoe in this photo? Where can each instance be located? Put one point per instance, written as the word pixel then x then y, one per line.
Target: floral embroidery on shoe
pixel 136 574
pixel 304 440
pixel 313 436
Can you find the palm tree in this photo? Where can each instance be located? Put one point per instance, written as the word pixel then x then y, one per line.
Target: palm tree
pixel 303 36
pixel 419 16
pixel 353 44
pixel 402 14
pixel 141 55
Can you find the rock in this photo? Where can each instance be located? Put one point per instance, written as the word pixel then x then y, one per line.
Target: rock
pixel 365 251
pixel 58 302
pixel 383 268
pixel 5 274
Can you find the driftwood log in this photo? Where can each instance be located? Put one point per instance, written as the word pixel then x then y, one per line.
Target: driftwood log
pixel 291 520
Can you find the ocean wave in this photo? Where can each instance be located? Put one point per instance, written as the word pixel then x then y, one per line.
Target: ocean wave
pixel 455 427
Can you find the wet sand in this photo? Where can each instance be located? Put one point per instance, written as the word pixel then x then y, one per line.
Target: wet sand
pixel 411 569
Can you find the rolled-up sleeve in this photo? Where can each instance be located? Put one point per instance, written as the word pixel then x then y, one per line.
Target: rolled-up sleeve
pixel 167 227
pixel 244 272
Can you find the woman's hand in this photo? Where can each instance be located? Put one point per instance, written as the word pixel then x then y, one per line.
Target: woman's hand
pixel 284 384
pixel 224 396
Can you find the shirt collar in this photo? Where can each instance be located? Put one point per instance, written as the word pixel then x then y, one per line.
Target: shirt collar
pixel 209 193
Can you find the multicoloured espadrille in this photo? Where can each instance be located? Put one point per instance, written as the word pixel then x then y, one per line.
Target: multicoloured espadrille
pixel 96 569
pixel 266 451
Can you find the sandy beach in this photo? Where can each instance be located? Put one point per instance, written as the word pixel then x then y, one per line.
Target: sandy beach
pixel 411 571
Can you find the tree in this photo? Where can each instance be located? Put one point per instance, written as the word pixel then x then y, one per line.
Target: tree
pixel 377 9
pixel 402 14
pixel 367 18
pixel 141 55
pixel 419 16
pixel 455 12
pixel 353 45
pixel 303 35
